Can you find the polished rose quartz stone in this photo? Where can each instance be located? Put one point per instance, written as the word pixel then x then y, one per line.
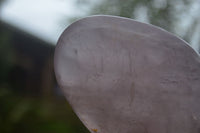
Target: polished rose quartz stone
pixel 123 76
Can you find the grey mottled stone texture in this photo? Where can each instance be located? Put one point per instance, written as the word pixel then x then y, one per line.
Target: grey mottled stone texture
pixel 123 76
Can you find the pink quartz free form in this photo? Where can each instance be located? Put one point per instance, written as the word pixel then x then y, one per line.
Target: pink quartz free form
pixel 123 76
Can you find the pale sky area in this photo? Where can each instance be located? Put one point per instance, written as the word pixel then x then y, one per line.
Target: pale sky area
pixel 45 19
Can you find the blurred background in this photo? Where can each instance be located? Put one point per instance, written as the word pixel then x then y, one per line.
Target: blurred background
pixel 30 99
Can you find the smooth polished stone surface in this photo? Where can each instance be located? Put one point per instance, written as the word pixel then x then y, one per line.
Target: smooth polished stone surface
pixel 123 76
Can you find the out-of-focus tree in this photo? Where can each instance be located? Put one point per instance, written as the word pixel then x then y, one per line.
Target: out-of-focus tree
pixel 162 13
pixel 6 53
pixel 176 16
pixel 1 1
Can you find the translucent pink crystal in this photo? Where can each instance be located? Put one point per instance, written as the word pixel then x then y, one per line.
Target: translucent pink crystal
pixel 123 76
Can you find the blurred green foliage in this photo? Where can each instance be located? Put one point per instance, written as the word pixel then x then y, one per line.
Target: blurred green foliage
pixel 168 14
pixel 163 13
pixel 1 1
pixel 36 115
pixel 6 55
